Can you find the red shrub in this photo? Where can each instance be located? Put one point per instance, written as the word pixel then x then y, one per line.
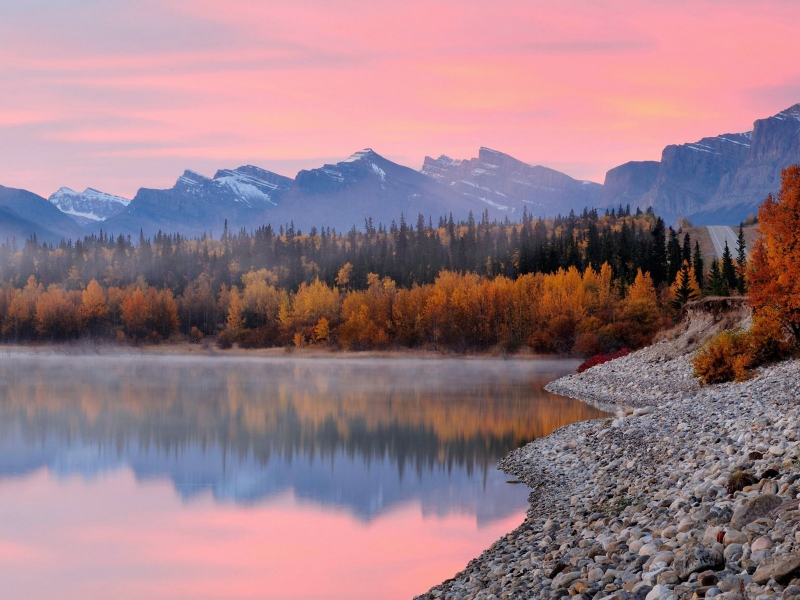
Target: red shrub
pixel 599 359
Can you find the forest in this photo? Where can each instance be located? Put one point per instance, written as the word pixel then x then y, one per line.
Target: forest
pixel 579 284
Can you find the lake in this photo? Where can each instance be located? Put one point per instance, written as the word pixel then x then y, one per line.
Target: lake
pixel 207 477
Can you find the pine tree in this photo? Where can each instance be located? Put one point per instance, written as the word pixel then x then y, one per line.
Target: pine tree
pixel 715 285
pixel 686 251
pixel 699 266
pixel 674 255
pixel 658 262
pixel 728 269
pixel 741 259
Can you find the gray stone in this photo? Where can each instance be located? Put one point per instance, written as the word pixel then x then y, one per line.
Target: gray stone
pixel 754 508
pixel 563 580
pixel 695 560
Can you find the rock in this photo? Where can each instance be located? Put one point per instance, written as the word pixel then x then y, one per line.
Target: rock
pixel 648 550
pixel 694 560
pixel 776 450
pixel 752 508
pixel 733 583
pixel 762 543
pixel 733 536
pixel 658 592
pixel 779 567
pixel 647 410
pixel 564 580
pixel 732 551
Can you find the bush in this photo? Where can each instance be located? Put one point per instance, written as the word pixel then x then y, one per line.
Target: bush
pixel 739 480
pixel 263 337
pixel 599 359
pixel 225 340
pixel 726 357
pixel 196 335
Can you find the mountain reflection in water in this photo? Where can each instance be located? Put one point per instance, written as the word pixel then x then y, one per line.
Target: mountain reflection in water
pixel 364 434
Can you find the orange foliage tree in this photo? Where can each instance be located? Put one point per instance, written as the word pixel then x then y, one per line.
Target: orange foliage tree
pixel 774 266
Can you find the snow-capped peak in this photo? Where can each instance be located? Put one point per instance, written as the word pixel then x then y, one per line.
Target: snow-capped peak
pixel 251 184
pixel 89 205
pixel 359 155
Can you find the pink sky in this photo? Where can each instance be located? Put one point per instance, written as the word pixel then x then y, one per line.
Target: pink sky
pixel 122 94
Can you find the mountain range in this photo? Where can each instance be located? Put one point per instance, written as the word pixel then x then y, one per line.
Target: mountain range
pixel 719 179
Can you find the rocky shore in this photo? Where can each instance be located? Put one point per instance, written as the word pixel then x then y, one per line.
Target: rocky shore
pixel 688 492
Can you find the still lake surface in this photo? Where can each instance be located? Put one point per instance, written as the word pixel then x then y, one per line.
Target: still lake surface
pixel 285 478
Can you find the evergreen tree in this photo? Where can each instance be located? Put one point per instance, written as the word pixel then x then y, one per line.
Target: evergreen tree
pixel 728 269
pixel 686 251
pixel 674 255
pixel 741 259
pixel 658 257
pixel 715 285
pixel 698 264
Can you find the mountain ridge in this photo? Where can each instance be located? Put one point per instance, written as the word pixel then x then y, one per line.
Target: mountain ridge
pixel 717 179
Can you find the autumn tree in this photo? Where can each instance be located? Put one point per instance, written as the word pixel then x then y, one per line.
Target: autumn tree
pixel 641 303
pixel 774 270
pixel 94 311
pixel 162 311
pixel 235 321
pixel 56 315
pixel 684 289
pixel 135 313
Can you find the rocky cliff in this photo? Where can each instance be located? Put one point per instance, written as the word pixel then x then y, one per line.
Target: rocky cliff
pixel 718 180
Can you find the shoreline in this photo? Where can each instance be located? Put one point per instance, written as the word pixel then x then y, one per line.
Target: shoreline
pixel 637 506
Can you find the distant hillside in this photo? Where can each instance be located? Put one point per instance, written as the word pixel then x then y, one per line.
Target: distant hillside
pixel 23 214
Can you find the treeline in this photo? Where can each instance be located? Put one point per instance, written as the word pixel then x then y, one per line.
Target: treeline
pixel 564 312
pixel 583 283
pixel 408 255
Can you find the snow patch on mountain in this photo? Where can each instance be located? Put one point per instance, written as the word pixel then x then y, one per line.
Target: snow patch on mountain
pixel 89 205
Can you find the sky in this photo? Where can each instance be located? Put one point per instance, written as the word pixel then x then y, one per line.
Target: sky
pixel 123 94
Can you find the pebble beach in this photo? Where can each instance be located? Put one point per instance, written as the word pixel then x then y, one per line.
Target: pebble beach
pixel 640 505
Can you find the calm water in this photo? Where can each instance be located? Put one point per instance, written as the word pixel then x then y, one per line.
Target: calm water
pixel 154 477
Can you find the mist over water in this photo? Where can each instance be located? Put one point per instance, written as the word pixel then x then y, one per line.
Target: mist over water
pixel 268 451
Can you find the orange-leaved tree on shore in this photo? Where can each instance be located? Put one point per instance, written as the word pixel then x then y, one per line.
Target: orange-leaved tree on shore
pixel 774 266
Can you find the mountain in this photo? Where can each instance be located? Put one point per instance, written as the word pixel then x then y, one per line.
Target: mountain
pixel 197 204
pixel 719 179
pixel 344 194
pixel 509 185
pixel 23 213
pixel 88 206
pixel 626 184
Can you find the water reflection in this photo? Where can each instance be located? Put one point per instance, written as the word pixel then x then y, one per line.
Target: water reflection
pixel 361 434
pixel 156 477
